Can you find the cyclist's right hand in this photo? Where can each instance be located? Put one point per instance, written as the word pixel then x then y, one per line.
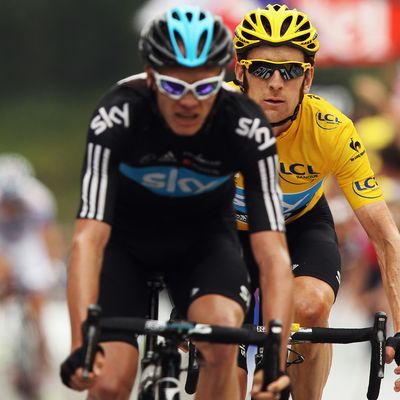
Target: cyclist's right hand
pixel 273 390
pixel 71 371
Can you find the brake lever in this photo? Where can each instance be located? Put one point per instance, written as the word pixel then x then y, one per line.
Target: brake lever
pixel 90 338
pixel 271 353
pixel 377 365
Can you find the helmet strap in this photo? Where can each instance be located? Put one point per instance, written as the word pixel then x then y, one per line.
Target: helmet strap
pixel 243 85
pixel 289 118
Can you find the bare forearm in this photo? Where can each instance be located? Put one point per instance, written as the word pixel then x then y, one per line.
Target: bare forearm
pixel 82 287
pixel 88 245
pixel 277 300
pixel 384 235
pixel 389 261
pixel 276 283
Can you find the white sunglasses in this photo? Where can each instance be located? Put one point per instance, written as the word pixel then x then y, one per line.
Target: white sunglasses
pixel 176 88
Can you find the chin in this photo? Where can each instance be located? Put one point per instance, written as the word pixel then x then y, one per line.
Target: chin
pixel 185 132
pixel 273 116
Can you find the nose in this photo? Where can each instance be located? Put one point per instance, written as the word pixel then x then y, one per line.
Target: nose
pixel 275 81
pixel 189 100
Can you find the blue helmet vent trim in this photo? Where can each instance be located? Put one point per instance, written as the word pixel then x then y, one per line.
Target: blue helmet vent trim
pixel 191 26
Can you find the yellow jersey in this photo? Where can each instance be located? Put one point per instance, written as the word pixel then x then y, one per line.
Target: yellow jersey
pixel 320 142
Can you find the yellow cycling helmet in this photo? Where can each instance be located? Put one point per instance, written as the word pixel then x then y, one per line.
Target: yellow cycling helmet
pixel 276 25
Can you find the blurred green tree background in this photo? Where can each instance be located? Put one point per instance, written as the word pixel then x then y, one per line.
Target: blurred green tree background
pixel 58 58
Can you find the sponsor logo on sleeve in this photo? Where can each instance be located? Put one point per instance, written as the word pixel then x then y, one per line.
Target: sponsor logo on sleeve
pixel 356 146
pixel 327 121
pixel 367 188
pixel 251 129
pixel 107 119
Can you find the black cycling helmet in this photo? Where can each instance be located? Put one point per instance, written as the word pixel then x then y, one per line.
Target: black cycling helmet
pixel 186 36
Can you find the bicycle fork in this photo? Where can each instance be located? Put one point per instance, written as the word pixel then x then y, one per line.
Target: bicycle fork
pixel 161 362
pixel 168 386
pixel 149 361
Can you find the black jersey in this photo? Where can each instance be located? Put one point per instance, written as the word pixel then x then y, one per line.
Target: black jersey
pixel 137 173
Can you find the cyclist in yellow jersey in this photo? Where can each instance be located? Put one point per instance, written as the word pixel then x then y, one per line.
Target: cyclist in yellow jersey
pixel 276 49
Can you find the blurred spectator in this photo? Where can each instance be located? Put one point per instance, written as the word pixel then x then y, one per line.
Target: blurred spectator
pixel 374 118
pixel 377 121
pixel 30 249
pixel 390 177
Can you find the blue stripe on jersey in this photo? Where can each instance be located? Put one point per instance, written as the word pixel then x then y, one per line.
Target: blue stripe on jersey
pixel 294 202
pixel 172 181
pixel 239 201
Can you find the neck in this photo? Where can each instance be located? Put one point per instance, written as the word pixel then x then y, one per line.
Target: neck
pixel 278 130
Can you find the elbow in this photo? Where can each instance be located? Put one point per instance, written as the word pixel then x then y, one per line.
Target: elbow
pixel 90 235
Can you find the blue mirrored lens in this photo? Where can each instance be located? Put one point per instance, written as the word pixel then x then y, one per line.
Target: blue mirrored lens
pixel 206 88
pixel 172 87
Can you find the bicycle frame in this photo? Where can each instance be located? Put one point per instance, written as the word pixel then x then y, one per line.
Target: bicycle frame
pixel 150 358
pixel 161 362
pixel 167 358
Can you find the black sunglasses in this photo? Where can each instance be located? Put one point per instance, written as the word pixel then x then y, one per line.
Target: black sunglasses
pixel 265 68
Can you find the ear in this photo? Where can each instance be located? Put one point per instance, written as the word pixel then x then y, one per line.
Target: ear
pixel 308 80
pixel 150 77
pixel 239 72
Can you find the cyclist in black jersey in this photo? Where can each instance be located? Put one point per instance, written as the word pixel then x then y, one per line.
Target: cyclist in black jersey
pixel 276 49
pixel 157 192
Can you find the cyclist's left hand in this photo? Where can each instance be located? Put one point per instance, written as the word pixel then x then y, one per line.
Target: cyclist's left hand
pixel 274 389
pixel 71 371
pixel 393 347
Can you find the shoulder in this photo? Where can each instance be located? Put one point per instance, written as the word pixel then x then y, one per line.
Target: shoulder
pixel 133 80
pixel 231 86
pixel 131 89
pixel 323 115
pixel 121 104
